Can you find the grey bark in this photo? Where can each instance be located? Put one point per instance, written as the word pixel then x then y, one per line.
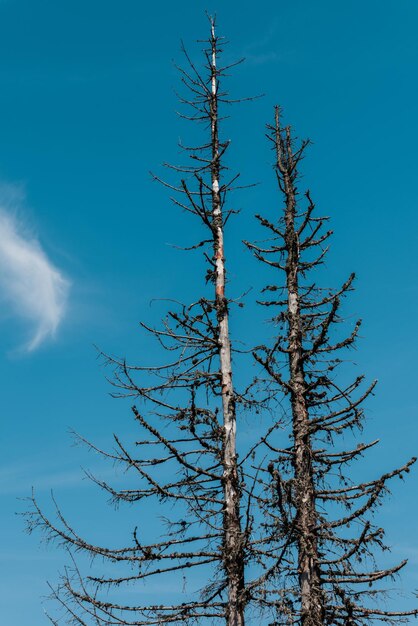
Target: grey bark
pixel 323 568
pixel 312 609
pixel 233 543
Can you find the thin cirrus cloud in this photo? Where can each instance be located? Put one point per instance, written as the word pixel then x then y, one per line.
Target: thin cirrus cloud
pixel 30 285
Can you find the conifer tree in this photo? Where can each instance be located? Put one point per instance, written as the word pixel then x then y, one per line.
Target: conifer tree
pixel 323 519
pixel 186 458
pixel 260 527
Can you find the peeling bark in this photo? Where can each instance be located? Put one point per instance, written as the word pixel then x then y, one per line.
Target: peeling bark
pixel 233 543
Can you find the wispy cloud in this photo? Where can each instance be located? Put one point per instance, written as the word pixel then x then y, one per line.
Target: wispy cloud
pixel 32 287
pixel 262 58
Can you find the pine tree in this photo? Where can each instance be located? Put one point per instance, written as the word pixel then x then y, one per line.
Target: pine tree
pixel 327 573
pixel 186 458
pixel 261 528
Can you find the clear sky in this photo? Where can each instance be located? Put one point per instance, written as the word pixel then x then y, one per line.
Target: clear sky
pixel 87 108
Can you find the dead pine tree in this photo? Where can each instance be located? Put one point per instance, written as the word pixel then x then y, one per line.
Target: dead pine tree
pixel 322 519
pixel 185 460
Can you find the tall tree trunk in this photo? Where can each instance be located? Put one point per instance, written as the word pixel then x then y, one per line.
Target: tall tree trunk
pixel 233 543
pixel 306 519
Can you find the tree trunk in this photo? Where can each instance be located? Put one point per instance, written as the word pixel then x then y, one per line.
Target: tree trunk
pixel 312 610
pixel 233 544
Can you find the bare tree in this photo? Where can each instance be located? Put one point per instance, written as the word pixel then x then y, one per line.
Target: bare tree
pixel 260 530
pixel 186 458
pixel 325 574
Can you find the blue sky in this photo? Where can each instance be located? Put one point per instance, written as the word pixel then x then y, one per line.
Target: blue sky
pixel 87 108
